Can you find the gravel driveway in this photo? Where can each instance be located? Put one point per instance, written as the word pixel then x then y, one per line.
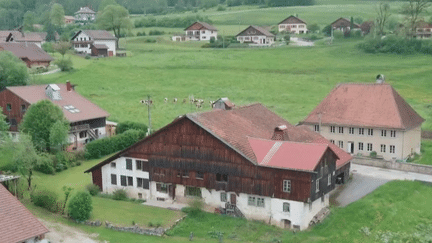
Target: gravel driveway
pixel 66 234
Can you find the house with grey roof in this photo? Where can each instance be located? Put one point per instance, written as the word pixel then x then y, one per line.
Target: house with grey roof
pixel 85 14
pixel 256 36
pixel 94 42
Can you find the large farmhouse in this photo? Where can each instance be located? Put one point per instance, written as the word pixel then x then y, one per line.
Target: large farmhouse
pixel 244 160
pixel 85 14
pixel 344 24
pixel 361 118
pixel 86 119
pixel 201 31
pixel 95 42
pixel 293 24
pixel 29 53
pixel 255 35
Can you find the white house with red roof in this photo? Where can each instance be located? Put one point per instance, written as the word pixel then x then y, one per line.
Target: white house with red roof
pixel 244 161
pixel 200 31
pixel 256 36
pixel 365 117
pixel 87 120
pixel 293 24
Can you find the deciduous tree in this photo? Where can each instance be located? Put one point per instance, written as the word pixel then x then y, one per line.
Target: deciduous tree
pixel 62 47
pixel 4 126
pixel 13 71
pixel 25 158
pixel 115 18
pixel 57 14
pixel 413 10
pixel 383 15
pixel 59 135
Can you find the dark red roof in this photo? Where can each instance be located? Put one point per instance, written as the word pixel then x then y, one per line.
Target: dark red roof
pixel 201 25
pixel 100 46
pixel 26 50
pixel 365 105
pixel 292 20
pixel 87 110
pixel 254 30
pixel 17 223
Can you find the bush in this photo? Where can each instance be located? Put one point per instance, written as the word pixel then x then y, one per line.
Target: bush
pixel 45 199
pixel 174 22
pixel 120 195
pixel 141 33
pixel 93 189
pixel 156 32
pixel 397 45
pixel 128 125
pixel 45 164
pixel 64 64
pixel 221 8
pixel 105 146
pixel 48 47
pixel 196 206
pixel 373 154
pixel 80 206
pixel 150 40
pixel 87 57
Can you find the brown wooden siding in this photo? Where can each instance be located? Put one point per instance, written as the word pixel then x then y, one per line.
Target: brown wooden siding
pixel 97 177
pixel 7 97
pixel 187 147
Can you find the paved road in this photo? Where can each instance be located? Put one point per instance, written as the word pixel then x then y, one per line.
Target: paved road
pixel 299 42
pixel 50 72
pixel 366 179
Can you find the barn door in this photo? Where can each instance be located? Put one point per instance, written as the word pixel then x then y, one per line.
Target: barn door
pixel 110 53
pixel 233 199
pixel 171 191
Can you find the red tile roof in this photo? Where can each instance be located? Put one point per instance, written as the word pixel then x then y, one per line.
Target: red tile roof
pixel 204 25
pixel 292 20
pixel 87 110
pixel 288 155
pixel 17 223
pixel 26 50
pixel 365 105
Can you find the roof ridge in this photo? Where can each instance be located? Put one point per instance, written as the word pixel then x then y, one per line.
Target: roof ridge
pixel 393 91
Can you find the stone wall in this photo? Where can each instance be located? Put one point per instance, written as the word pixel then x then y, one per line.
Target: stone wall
pixel 403 166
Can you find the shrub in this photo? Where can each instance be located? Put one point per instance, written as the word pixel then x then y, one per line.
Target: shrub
pixel 45 164
pixel 156 224
pixel 221 8
pixel 141 33
pixel 397 45
pixel 80 206
pixel 120 195
pixel 87 57
pixel 373 154
pixel 105 146
pixel 156 32
pixel 93 189
pixel 64 64
pixel 196 206
pixel 48 47
pixel 128 125
pixel 148 40
pixel 287 39
pixel 45 199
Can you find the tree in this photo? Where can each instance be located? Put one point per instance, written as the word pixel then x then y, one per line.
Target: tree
pixel 13 71
pixel 80 206
pixel 62 47
pixel 67 191
pixel 383 15
pixel 4 126
pixel 29 21
pixel 366 26
pixel 38 121
pixel 115 18
pixel 25 158
pixel 50 29
pixel 327 30
pixel 59 135
pixel 57 15
pixel 105 3
pixel 313 28
pixel 412 11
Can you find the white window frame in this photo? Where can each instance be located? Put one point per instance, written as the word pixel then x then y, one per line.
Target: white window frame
pixel 286 186
pixel 392 133
pixel 317 185
pixel 361 131
pixel 351 130
pixel 260 202
pixel 329 180
pixel 332 129
pixel 360 146
pixel 341 130
pixel 340 144
pixel 383 148
pixel 316 128
pixel 224 195
pixel 371 147
pixel 383 133
pixel 286 207
pixel 392 149
pixel 332 141
pixel 251 201
pixel 370 132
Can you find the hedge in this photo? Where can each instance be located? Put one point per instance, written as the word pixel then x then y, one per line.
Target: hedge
pixel 397 45
pixel 105 146
pixel 125 126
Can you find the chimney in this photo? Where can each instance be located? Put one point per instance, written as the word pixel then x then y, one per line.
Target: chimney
pixel 380 79
pixel 280 133
pixel 69 86
pixel 224 104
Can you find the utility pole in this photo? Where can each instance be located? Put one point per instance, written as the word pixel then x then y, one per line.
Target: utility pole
pixel 148 102
pixel 331 39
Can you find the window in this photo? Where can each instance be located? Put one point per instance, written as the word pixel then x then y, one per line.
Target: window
pixel 383 133
pixel 113 179
pixel 287 186
pixel 251 201
pixel 161 187
pixel 260 202
pixel 193 191
pixel 329 180
pixel 286 207
pixel 392 149
pixel 393 133
pixel 83 134
pixel 360 147
pixel 316 128
pixel 139 182
pixel 332 141
pixel 370 132
pixel 185 173
pixel 361 131
pixel 221 178
pixel 341 129
pixel 128 164
pixel 144 165
pixel 369 147
pixel 340 143
pixel 351 130
pixel 317 185
pixel 383 148
pixel 240 38
pixel 199 175
pixel 113 165
pixel 223 197
pixel 130 181
pixel 140 195
pixel 123 180
pixel 332 129
pixel 146 183
pixel 23 108
pixel 138 164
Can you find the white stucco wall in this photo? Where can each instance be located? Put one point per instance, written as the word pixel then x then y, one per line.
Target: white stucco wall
pixel 111 44
pixel 82 37
pixel 204 35
pixel 101 133
pixel 296 28
pixel 258 40
pixel 412 141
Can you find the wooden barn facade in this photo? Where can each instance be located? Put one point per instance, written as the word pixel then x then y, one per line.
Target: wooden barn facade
pixel 247 159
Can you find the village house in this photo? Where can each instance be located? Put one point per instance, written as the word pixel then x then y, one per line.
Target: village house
pixel 198 31
pixel 343 24
pixel 69 20
pixel 20 37
pixel 246 161
pixel 85 14
pixel 17 223
pixel 256 36
pixel 423 30
pixel 29 53
pixel 368 117
pixel 95 43
pixel 294 25
pixel 87 120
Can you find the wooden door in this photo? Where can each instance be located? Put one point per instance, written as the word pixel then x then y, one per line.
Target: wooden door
pixel 171 191
pixel 110 53
pixel 233 199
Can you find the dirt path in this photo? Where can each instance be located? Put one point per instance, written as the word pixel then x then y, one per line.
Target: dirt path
pixel 66 234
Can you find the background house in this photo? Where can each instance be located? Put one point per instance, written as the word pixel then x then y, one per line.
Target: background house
pixel 69 20
pixel 200 31
pixel 95 42
pixel 361 118
pixel 29 53
pixel 255 35
pixel 85 14
pixel 423 30
pixel 247 159
pixel 343 24
pixel 87 120
pixel 293 24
